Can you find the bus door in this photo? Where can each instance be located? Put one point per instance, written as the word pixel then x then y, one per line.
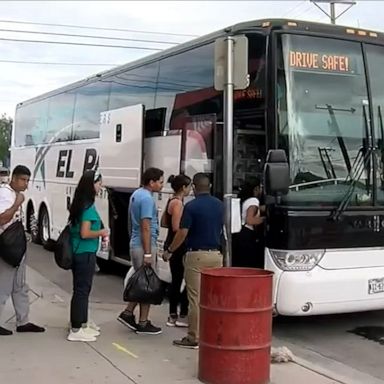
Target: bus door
pixel 121 163
pixel 249 150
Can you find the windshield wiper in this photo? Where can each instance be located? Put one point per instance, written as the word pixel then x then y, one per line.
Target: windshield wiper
pixel 327 162
pixel 360 164
pixel 381 142
pixel 335 127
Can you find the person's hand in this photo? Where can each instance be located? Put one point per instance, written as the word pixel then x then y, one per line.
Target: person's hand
pixel 147 260
pixel 19 199
pixel 167 255
pixel 259 220
pixel 104 232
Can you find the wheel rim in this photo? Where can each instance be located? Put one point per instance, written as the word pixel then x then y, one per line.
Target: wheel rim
pixel 45 227
pixel 33 224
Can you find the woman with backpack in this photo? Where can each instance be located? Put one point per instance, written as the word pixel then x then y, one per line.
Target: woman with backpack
pixel 86 229
pixel 171 218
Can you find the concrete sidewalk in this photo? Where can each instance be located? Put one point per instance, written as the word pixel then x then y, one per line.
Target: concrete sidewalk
pixel 118 356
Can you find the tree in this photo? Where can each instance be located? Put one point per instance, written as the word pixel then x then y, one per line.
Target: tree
pixel 5 138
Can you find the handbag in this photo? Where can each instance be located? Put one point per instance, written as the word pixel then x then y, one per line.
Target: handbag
pixel 13 244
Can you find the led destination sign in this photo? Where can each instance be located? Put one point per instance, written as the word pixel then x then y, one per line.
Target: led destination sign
pixel 321 62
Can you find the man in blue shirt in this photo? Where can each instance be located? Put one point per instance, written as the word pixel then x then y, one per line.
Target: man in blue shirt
pixel 201 225
pixel 144 232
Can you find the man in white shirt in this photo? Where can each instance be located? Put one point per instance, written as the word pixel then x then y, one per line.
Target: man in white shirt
pixel 12 280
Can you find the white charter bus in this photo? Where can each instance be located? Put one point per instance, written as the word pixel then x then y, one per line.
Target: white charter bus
pixel 316 92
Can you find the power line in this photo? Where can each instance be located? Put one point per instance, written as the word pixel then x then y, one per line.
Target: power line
pixel 57 63
pixel 98 28
pixel 293 8
pixel 81 44
pixel 89 36
pixel 304 12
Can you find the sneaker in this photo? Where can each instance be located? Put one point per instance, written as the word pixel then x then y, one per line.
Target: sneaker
pixel 5 332
pixel 148 329
pixel 92 324
pixel 80 335
pixel 186 343
pixel 91 331
pixel 128 319
pixel 182 322
pixel 30 327
pixel 172 320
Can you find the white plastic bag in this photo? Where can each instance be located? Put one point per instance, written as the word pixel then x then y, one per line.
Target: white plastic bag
pixel 163 270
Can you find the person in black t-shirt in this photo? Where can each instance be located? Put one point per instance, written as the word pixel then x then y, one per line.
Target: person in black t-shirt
pixel 171 218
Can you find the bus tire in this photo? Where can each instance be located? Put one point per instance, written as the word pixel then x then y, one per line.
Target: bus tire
pixel 44 229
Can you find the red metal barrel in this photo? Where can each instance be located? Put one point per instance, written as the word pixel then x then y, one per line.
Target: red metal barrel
pixel 235 326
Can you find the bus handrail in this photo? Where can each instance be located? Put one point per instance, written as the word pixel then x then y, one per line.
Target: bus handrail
pixel 335 181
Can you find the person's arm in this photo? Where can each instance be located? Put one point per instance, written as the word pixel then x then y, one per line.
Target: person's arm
pixel 179 238
pixel 176 212
pixel 87 233
pixel 145 228
pixel 8 214
pixel 181 234
pixel 146 212
pixel 253 216
pixel 90 215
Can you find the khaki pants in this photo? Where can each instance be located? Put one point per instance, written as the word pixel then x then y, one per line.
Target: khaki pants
pixel 194 263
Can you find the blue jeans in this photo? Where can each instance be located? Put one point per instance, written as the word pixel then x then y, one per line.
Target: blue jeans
pixel 83 269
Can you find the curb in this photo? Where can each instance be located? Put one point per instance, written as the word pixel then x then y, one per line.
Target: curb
pixel 327 367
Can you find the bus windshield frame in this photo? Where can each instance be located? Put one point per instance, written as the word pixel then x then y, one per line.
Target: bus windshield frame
pixel 323 119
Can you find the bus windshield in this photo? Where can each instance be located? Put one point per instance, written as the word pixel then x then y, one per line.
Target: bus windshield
pixel 322 102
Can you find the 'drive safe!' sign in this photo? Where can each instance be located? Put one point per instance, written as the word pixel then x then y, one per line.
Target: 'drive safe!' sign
pixel 322 62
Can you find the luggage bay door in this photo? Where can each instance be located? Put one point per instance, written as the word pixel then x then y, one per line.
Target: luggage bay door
pixel 121 146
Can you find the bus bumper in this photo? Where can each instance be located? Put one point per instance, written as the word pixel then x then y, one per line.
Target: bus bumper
pixel 323 291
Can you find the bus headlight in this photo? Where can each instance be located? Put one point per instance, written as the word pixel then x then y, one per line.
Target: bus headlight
pixel 297 260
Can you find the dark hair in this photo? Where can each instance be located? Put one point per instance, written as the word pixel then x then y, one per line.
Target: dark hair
pixel 247 190
pixel 21 170
pixel 201 179
pixel 179 181
pixel 84 195
pixel 152 174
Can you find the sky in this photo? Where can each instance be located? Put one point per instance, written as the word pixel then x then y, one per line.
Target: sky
pixel 168 21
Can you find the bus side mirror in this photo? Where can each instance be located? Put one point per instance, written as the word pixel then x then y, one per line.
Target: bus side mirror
pixel 276 173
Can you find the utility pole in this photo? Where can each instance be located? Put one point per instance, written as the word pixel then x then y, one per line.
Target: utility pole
pixel 332 8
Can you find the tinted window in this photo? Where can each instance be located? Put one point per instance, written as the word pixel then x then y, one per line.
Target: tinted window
pixel 90 101
pixel 375 58
pixel 185 84
pixel 136 86
pixel 60 117
pixel 31 124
